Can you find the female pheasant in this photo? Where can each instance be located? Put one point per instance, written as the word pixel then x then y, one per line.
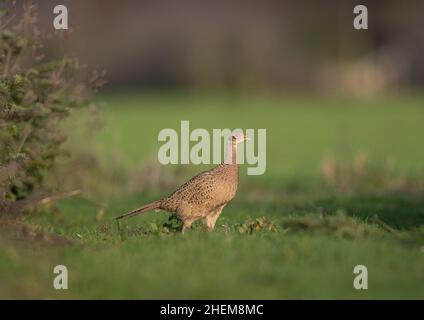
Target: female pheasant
pixel 205 195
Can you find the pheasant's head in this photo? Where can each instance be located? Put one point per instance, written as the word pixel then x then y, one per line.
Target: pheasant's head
pixel 233 141
pixel 238 137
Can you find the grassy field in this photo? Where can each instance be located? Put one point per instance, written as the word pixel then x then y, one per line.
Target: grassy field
pixel 295 232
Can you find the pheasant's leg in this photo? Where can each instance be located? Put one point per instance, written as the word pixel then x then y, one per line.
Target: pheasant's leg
pixel 186 225
pixel 210 220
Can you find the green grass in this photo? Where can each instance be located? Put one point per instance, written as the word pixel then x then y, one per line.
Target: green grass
pixel 300 131
pixel 307 245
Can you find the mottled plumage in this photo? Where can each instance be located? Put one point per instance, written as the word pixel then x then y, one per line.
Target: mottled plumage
pixel 204 196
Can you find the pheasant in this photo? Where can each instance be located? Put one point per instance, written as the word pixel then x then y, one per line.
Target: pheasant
pixel 205 195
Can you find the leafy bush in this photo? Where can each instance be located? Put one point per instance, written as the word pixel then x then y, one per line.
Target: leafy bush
pixel 36 94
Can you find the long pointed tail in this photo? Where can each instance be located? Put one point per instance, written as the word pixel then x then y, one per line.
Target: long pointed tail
pixel 147 207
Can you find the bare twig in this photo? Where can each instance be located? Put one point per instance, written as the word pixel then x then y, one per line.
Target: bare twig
pixel 4 25
pixel 58 196
pixel 25 136
pixel 384 225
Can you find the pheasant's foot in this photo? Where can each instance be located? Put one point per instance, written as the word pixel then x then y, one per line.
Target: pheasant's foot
pixel 209 228
pixel 183 230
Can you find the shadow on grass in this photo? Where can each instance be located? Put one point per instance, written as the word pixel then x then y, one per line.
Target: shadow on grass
pixel 399 212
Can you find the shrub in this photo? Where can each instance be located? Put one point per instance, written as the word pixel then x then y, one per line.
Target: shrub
pixel 36 94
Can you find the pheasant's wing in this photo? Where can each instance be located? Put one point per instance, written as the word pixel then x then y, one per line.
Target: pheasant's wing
pixel 197 189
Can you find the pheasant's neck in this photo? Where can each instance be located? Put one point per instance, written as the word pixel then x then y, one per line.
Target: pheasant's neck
pixel 230 164
pixel 231 157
